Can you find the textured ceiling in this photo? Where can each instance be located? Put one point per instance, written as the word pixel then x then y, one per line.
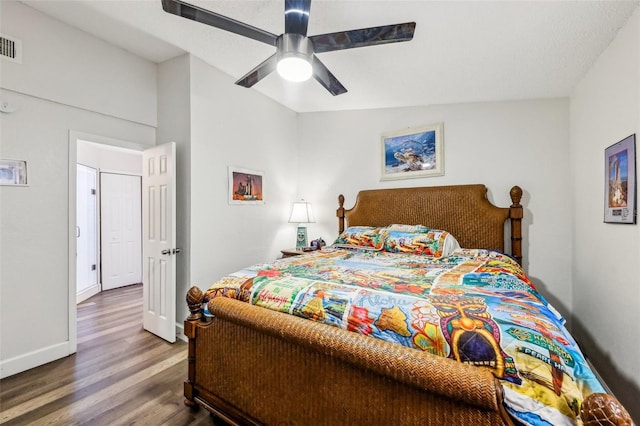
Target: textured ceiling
pixel 461 52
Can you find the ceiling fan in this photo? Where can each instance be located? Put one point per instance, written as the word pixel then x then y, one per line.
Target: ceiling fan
pixel 295 51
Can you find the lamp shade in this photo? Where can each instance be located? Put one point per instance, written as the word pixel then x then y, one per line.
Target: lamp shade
pixel 301 212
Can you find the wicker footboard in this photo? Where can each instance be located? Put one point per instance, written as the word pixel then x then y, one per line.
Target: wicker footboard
pixel 252 365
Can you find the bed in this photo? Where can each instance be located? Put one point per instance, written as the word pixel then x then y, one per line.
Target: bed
pixel 438 350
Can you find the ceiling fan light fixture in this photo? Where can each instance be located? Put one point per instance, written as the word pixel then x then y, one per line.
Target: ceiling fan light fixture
pixel 295 53
pixel 294 68
pixel 295 57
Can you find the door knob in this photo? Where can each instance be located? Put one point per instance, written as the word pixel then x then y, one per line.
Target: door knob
pixel 166 251
pixel 176 251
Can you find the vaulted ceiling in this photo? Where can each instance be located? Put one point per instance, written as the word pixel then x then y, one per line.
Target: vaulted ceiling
pixel 462 51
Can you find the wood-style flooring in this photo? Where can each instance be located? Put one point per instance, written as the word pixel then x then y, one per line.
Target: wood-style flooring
pixel 121 374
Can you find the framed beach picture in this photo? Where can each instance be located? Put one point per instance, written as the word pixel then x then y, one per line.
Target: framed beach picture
pixel 245 186
pixel 620 182
pixel 413 153
pixel 13 172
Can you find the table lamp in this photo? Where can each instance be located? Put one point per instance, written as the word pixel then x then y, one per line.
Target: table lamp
pixel 301 213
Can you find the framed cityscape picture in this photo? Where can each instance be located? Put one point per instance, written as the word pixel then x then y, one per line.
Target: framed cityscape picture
pixel 245 186
pixel 620 182
pixel 413 153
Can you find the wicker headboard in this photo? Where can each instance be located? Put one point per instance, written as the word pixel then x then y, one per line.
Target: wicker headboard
pixel 463 210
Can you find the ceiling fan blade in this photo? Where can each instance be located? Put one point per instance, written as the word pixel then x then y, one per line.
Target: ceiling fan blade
pixel 195 13
pixel 259 72
pixel 296 16
pixel 363 37
pixel 322 74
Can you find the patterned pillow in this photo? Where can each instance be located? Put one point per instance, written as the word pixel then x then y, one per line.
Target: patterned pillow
pixel 405 228
pixel 433 242
pixel 360 236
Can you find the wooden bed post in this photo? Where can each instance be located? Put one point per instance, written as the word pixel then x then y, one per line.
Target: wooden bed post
pixel 194 301
pixel 340 214
pixel 515 214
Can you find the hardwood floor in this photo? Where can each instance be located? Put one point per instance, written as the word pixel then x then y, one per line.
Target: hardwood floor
pixel 120 375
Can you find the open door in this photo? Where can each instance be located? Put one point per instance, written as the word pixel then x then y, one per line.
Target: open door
pixel 159 240
pixel 87 264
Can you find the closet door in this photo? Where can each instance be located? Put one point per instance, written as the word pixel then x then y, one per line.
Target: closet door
pixel 121 230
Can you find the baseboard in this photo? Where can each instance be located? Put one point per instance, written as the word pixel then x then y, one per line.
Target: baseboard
pixel 87 293
pixel 180 333
pixel 599 377
pixel 21 363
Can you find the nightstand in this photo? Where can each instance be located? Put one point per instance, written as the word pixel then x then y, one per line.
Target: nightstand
pixel 291 252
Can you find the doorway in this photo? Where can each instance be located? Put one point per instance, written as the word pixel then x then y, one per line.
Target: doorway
pixel 108 220
pixel 158 163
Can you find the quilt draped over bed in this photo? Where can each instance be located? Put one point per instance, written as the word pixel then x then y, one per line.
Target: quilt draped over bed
pixel 475 306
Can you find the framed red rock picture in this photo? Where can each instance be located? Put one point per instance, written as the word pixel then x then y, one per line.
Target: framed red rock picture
pixel 620 182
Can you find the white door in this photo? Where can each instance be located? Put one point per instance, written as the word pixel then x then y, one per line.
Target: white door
pixel 159 240
pixel 121 230
pixel 86 233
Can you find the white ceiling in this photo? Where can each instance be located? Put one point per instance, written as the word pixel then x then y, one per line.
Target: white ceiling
pixel 461 52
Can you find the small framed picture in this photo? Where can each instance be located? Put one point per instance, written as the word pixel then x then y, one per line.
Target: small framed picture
pixel 245 186
pixel 13 172
pixel 413 153
pixel 620 182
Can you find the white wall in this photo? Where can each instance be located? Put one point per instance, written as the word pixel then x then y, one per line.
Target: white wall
pixel 605 108
pixel 232 126
pixel 34 227
pixel 235 126
pixel 217 124
pixel 499 144
pixel 66 65
pixel 174 125
pixel 109 159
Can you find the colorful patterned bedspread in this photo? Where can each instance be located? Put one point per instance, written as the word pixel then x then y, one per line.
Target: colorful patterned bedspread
pixel 475 306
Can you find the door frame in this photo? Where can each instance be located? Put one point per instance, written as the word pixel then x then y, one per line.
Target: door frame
pixel 74 137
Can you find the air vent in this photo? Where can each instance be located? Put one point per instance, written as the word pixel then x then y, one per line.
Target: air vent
pixel 10 48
